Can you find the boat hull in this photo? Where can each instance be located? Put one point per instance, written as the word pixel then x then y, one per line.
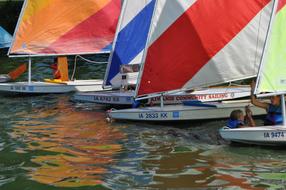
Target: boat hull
pixel 106 97
pixel 265 135
pixel 213 110
pixel 48 87
pixel 126 97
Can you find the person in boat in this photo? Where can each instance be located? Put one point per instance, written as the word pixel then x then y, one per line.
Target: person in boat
pixel 56 71
pixel 273 109
pixel 238 120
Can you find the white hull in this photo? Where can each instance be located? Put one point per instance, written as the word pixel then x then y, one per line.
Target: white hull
pixel 264 135
pixel 47 87
pixel 107 97
pixel 181 112
pixel 126 98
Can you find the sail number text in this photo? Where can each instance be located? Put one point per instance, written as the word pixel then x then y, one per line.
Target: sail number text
pixel 152 115
pixel 274 134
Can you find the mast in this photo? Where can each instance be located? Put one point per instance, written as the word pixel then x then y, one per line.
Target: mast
pixel 30 71
pixel 283 109
pixel 145 51
pixel 266 45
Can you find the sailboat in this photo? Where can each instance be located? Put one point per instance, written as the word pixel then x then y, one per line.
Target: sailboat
pixel 58 29
pixel 129 43
pixel 5 38
pixel 127 55
pixel 270 81
pixel 196 44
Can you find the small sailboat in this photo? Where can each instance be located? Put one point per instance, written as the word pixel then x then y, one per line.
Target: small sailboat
pixel 271 81
pixel 186 51
pixel 58 29
pixel 5 38
pixel 127 53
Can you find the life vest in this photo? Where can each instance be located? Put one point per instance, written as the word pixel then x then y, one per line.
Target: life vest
pixel 274 115
pixel 234 123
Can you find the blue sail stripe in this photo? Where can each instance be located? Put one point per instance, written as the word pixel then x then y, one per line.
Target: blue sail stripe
pixel 131 40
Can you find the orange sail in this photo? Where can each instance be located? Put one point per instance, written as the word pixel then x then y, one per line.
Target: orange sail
pixel 62 27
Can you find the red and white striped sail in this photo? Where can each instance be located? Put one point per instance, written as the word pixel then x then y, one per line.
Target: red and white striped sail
pixel 202 42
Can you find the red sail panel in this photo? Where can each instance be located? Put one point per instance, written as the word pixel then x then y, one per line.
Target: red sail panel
pixel 281 4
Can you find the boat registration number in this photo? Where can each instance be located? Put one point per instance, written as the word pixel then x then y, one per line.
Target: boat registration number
pixel 160 115
pixel 22 88
pixel 274 134
pixel 153 115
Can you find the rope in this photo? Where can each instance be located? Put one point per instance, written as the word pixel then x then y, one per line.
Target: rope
pixel 87 60
pixel 90 61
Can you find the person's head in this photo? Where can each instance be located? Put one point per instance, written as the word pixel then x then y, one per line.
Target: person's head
pixel 237 115
pixel 275 100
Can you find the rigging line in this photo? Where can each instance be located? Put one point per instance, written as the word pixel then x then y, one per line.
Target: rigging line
pixel 87 60
pixel 74 67
pixel 90 61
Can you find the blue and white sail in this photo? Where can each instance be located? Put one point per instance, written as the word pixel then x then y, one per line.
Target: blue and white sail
pixel 5 38
pixel 131 37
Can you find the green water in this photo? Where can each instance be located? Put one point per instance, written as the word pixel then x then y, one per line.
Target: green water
pixel 48 142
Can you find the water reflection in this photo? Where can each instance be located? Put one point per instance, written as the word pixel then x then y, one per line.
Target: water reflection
pixel 70 149
pixel 56 143
pixel 175 158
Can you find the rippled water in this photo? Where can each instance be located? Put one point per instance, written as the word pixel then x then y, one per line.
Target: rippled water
pixel 48 142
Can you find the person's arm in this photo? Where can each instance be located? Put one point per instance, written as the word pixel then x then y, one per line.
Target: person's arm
pixel 248 117
pixel 255 101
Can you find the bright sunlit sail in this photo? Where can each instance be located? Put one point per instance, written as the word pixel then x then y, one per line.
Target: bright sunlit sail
pixel 65 27
pixel 198 43
pixel 272 77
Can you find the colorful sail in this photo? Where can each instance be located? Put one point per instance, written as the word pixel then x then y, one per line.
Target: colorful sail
pixel 200 43
pixel 272 77
pixel 5 38
pixel 66 27
pixel 131 38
